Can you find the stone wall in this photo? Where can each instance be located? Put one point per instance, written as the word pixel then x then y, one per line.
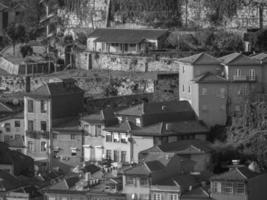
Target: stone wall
pixel 125 63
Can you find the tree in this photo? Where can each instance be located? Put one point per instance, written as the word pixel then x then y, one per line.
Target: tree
pixel 26 50
pixel 16 33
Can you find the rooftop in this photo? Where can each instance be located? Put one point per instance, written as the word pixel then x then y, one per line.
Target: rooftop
pixel 156 107
pixel 124 127
pixel 127 36
pixel 209 77
pixel 238 59
pixel 200 59
pixel 262 57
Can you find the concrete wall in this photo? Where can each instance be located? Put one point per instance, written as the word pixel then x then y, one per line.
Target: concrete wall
pixel 141 144
pixel 124 63
pixel 14 131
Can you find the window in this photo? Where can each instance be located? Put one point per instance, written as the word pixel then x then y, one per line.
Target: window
pixel 116 156
pixel 7 127
pixel 17 136
pixel 252 73
pixel 43 126
pixel 156 196
pixel 227 187
pixel 222 92
pixel 238 72
pixel 30 146
pixel 173 196
pixel 43 146
pixel 130 180
pixel 204 91
pixel 43 106
pixel 109 137
pixel 216 187
pixel 123 156
pixel 72 136
pixel 183 69
pixel 144 182
pixel 189 89
pixel 30 106
pixel 138 122
pixel 30 125
pixel 183 88
pixel 98 130
pixel 73 151
pixel 17 124
pixel 240 188
pixel 123 138
pixel 108 154
pixel 116 137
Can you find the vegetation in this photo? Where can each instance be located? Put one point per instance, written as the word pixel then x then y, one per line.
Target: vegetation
pixel 16 33
pixel 26 50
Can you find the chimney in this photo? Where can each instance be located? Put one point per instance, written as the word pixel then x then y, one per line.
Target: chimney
pixel 28 84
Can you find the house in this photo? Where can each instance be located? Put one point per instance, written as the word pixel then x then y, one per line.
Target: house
pixel 15 162
pixel 12 130
pixel 157 179
pixel 45 108
pixel 239 183
pixel 93 126
pixel 198 151
pixel 126 41
pixel 245 76
pixel 114 185
pixel 30 65
pixel 145 125
pixel 201 84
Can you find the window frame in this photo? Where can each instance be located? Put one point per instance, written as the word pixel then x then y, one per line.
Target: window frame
pixel 30 106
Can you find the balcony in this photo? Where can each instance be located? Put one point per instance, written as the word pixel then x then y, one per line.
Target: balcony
pixel 37 134
pixel 244 78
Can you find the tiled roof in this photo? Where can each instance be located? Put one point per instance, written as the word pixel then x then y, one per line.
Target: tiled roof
pixel 123 127
pixel 154 165
pixel 261 57
pixel 140 169
pixel 237 173
pixel 238 59
pixel 55 89
pixel 180 146
pixel 127 36
pixel 105 116
pixel 8 182
pixel 209 77
pixel 200 59
pixel 172 128
pixel 90 168
pixel 156 107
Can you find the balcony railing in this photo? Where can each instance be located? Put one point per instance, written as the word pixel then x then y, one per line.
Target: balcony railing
pixel 37 134
pixel 244 78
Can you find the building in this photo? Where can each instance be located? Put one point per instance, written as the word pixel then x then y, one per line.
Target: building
pixel 144 125
pixel 48 106
pixel 12 128
pixel 93 126
pixel 197 150
pixel 239 183
pixel 126 41
pixel 15 162
pixel 166 87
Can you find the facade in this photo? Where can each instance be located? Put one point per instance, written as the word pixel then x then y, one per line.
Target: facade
pixel 93 126
pixel 239 183
pixel 126 41
pixel 65 98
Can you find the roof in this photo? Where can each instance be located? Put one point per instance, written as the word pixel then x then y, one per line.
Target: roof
pixel 200 59
pixel 19 115
pixel 184 146
pixel 48 90
pixel 123 127
pixel 68 125
pixel 156 107
pixel 209 77
pixel 66 184
pixel 8 181
pixel 236 174
pixel 105 116
pixel 261 57
pixel 127 36
pixel 21 61
pixel 5 109
pixel 238 59
pixel 173 128
pixel 197 193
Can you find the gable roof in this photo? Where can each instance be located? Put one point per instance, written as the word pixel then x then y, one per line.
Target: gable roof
pixel 186 127
pixel 238 59
pixel 127 36
pixel 48 90
pixel 236 174
pixel 209 77
pixel 156 107
pixel 262 57
pixel 123 127
pixel 200 59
